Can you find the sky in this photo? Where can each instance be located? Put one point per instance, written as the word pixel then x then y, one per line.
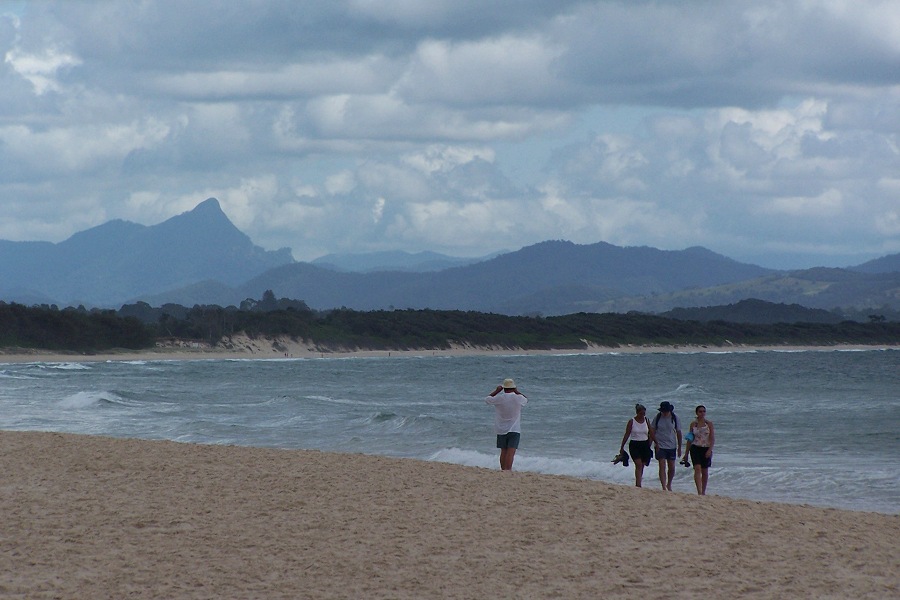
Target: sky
pixel 767 130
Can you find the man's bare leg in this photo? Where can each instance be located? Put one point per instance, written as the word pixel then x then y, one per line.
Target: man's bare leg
pixel 507 455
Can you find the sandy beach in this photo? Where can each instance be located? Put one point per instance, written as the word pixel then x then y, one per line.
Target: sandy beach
pixel 244 347
pixel 93 517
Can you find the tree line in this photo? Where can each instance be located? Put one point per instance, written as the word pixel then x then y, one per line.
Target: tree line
pixel 140 326
pixel 70 329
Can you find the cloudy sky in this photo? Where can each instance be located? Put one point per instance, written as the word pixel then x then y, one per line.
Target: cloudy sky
pixel 765 130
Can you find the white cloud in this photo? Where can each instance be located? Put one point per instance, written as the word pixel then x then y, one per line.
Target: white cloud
pixel 826 205
pixel 141 203
pixel 440 223
pixel 244 203
pixel 41 69
pixel 355 124
pixel 778 133
pixel 441 158
pixel 888 224
pixel 505 71
pixel 367 75
pixel 74 148
pixel 395 181
pixel 340 183
pixel 378 210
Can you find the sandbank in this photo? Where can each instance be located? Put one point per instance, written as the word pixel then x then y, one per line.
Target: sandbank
pixel 95 517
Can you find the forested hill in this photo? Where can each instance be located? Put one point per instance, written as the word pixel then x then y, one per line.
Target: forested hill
pixel 79 330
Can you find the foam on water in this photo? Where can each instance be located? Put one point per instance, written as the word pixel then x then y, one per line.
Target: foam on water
pixel 345 401
pixel 467 458
pixel 88 399
pixel 570 467
pixel 15 375
pixel 67 366
pixel 806 427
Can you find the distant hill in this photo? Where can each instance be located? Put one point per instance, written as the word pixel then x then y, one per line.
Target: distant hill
pixel 820 288
pixel 885 264
pixel 419 262
pixel 756 312
pixel 119 261
pixel 554 277
pixel 200 257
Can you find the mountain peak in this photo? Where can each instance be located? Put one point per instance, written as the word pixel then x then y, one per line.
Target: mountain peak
pixel 205 221
pixel 210 205
pixel 208 211
pixel 120 260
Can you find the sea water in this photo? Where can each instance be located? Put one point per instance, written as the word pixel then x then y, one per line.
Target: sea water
pixel 812 427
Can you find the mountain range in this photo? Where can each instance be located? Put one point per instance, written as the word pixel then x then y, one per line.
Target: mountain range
pixel 120 261
pixel 397 260
pixel 200 257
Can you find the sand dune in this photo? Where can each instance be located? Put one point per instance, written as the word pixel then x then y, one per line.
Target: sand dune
pixel 93 517
pixel 280 347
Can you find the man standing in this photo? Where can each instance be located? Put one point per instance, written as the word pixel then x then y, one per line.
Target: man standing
pixel 507 401
pixel 668 436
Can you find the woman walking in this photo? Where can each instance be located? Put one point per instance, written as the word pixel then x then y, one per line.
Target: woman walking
pixel 641 434
pixel 701 448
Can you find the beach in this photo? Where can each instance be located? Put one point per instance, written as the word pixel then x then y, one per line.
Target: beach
pixel 281 347
pixel 97 517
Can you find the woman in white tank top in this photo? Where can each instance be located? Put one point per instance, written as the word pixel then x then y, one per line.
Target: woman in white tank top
pixel 641 434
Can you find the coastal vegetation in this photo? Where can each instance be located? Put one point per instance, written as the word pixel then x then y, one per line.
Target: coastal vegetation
pixel 75 329
pixel 140 326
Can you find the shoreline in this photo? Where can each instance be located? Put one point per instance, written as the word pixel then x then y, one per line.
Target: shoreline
pixel 89 516
pixel 275 348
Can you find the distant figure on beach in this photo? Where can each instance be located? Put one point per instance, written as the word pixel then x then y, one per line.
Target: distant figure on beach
pixel 701 448
pixel 640 433
pixel 507 401
pixel 667 442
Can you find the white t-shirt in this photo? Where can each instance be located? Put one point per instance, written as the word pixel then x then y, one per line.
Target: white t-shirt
pixel 508 405
pixel 640 432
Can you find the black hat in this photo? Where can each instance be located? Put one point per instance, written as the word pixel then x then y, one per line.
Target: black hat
pixel 666 406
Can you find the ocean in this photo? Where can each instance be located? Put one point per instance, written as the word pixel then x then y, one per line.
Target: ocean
pixel 806 427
